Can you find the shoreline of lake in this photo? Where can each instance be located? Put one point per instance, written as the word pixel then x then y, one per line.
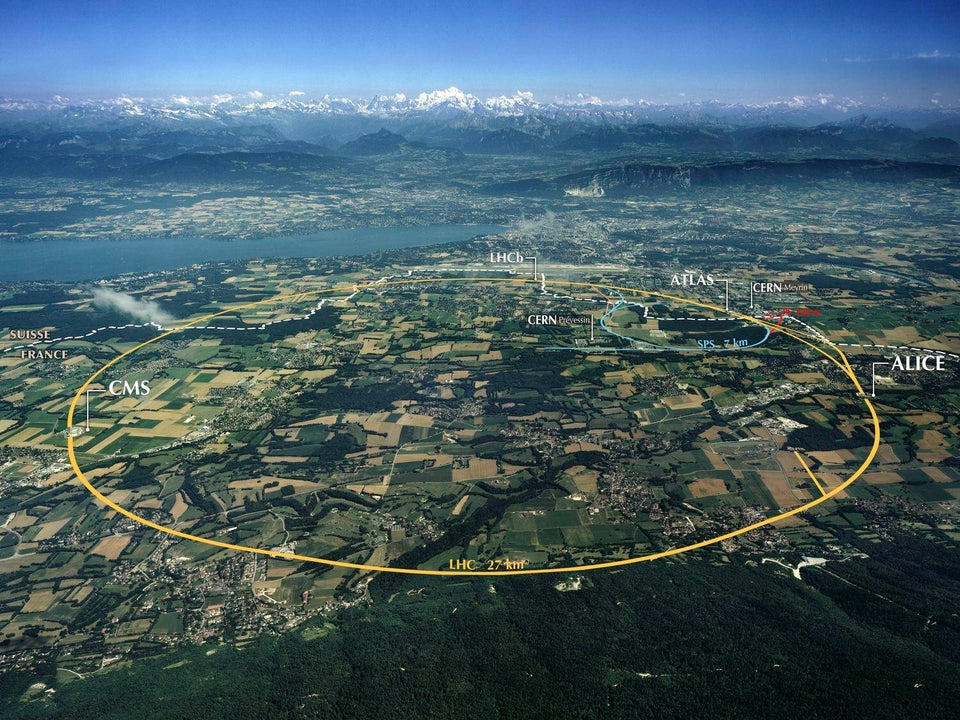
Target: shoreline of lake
pixel 80 260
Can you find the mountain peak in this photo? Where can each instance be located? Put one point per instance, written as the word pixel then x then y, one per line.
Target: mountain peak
pixel 452 98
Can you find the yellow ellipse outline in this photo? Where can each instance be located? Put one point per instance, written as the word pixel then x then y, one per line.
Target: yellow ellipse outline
pixel 842 363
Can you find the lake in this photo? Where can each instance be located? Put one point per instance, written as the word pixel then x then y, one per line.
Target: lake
pixel 73 260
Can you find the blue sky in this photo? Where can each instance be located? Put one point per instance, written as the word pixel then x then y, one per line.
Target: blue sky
pixel 907 52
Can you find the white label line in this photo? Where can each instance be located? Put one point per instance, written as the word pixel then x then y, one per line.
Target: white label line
pixel 873 382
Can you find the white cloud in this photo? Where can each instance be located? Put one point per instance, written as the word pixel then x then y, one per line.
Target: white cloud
pixel 143 310
pixel 256 94
pixel 933 55
pixel 578 99
pixel 296 93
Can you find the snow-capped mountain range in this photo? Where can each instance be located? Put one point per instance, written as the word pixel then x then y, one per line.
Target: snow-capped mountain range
pixel 338 119
pixel 450 101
